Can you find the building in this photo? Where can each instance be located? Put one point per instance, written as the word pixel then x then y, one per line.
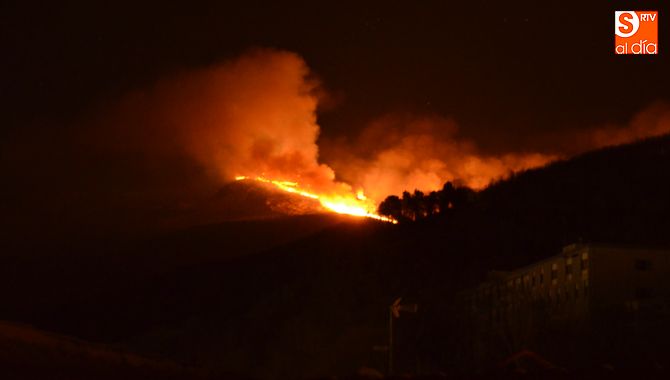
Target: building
pixel 582 289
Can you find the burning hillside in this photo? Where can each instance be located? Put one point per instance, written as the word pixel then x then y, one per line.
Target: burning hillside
pixel 161 152
pixel 254 118
pixel 342 203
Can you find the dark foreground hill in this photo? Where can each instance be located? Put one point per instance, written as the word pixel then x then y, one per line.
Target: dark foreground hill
pixel 74 285
pixel 28 353
pixel 318 305
pixel 617 195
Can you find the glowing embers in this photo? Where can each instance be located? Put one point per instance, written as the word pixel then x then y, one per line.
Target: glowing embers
pixel 348 204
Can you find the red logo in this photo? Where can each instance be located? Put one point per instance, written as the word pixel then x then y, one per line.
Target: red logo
pixel 636 32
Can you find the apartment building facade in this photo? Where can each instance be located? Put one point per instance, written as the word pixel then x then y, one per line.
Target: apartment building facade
pixel 577 288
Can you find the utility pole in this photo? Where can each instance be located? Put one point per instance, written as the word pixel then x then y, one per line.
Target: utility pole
pixel 390 369
pixel 394 312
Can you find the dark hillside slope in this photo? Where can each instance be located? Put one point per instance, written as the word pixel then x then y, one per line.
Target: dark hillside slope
pixel 618 195
pixel 28 353
pixel 317 306
pixel 75 287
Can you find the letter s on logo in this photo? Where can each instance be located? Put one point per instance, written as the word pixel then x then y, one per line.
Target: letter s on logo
pixel 626 23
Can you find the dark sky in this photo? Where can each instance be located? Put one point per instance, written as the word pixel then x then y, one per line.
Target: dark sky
pixel 500 68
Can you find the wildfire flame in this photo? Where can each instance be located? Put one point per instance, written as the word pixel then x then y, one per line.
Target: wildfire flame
pixel 348 204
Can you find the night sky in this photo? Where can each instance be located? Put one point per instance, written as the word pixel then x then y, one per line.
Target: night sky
pixel 496 67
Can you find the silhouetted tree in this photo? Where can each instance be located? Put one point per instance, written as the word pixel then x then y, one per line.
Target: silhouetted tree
pixel 408 206
pixel 463 196
pixel 417 205
pixel 433 203
pixel 392 207
pixel 447 197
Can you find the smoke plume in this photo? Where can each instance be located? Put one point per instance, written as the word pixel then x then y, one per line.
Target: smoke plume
pixel 405 152
pixel 253 115
pixel 651 121
pixel 163 150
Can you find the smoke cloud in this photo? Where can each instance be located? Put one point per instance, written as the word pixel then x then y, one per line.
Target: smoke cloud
pixel 405 152
pixel 162 151
pixel 651 121
pixel 253 115
pixel 396 152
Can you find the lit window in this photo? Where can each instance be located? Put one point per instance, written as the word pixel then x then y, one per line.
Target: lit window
pixel 568 268
pixel 554 273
